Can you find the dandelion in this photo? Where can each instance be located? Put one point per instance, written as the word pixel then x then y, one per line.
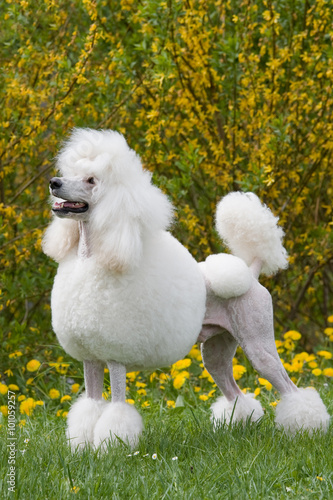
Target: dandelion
pixel 75 388
pixel 22 397
pixel 13 387
pixel 171 404
pixel 330 319
pixel 54 393
pixel 146 404
pixel 292 334
pixel 325 354
pixel 33 365
pixel 4 410
pixel 27 406
pixel 313 364
pixel 328 372
pixel 203 397
pixel 130 401
pixel 29 381
pixel 316 372
pixel 3 389
pixel 181 364
pixel 195 353
pixel 67 397
pixel 22 423
pixel 179 379
pixel 15 354
pixel 207 375
pixel 257 391
pixel 265 383
pixel 238 371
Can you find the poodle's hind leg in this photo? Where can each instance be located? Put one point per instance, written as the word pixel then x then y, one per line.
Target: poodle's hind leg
pixel 119 421
pixel 85 412
pixel 254 330
pixel 217 353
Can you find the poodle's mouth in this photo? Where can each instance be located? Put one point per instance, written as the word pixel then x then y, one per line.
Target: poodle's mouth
pixel 75 207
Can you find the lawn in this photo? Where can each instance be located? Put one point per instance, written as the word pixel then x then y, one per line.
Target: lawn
pixel 179 457
pixel 179 454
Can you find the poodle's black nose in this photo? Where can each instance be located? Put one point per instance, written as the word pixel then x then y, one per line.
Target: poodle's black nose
pixel 55 183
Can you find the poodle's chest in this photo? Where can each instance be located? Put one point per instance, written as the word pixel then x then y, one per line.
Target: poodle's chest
pixel 143 319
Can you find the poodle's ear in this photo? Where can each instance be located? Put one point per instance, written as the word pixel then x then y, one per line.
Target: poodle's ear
pixel 115 233
pixel 60 238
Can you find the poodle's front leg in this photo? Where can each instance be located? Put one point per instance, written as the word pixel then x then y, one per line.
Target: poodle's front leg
pixel 120 420
pixel 85 412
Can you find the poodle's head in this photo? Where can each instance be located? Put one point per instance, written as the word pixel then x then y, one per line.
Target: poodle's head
pixel 102 183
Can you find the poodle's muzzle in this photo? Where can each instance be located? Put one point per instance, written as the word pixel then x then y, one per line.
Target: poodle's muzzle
pixel 74 192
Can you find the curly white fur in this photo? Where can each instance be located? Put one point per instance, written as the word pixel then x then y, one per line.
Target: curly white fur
pixel 302 410
pixel 240 410
pixel 251 232
pixel 227 275
pixel 81 421
pixel 118 420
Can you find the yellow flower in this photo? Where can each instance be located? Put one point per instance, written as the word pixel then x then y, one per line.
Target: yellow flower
pixel 197 389
pixel 257 391
pixel 9 372
pixel 27 406
pixel 3 389
pixel 330 319
pixel 171 404
pixel 146 404
pixel 325 354
pixel 292 334
pixel 265 383
pixel 22 423
pixel 4 410
pixel 15 354
pixel 289 345
pixel 328 331
pixel 207 375
pixel 75 388
pixel 13 387
pixel 195 353
pixel 29 381
pixel 313 364
pixel 130 401
pixel 65 398
pixel 33 365
pixel 140 385
pixel 316 372
pixel 238 371
pixel 142 392
pixel 203 397
pixel 179 380
pixel 328 372
pixel 54 393
pixel 181 364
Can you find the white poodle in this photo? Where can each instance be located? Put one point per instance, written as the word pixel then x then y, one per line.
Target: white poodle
pixel 128 295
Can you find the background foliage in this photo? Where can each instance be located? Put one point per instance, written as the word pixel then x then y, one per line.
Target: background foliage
pixel 214 95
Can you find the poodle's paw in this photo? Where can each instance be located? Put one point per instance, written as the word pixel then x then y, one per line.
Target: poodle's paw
pixel 303 409
pixel 81 421
pixel 241 409
pixel 118 420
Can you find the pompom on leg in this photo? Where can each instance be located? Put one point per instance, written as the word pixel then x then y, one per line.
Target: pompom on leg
pixel 302 410
pixel 81 421
pixel 241 409
pixel 118 420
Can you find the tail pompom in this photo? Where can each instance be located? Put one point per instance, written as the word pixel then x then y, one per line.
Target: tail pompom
pixel 250 231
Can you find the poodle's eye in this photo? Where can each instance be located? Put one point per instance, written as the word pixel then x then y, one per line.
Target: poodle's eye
pixel 91 180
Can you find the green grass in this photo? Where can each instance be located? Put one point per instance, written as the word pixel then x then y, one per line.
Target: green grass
pixel 256 461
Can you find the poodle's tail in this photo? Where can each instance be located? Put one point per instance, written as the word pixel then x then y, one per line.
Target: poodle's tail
pixel 250 231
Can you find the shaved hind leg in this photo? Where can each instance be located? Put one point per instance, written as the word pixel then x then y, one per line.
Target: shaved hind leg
pixel 217 353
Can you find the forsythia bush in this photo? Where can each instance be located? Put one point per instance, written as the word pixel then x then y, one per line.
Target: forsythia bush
pixel 215 95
